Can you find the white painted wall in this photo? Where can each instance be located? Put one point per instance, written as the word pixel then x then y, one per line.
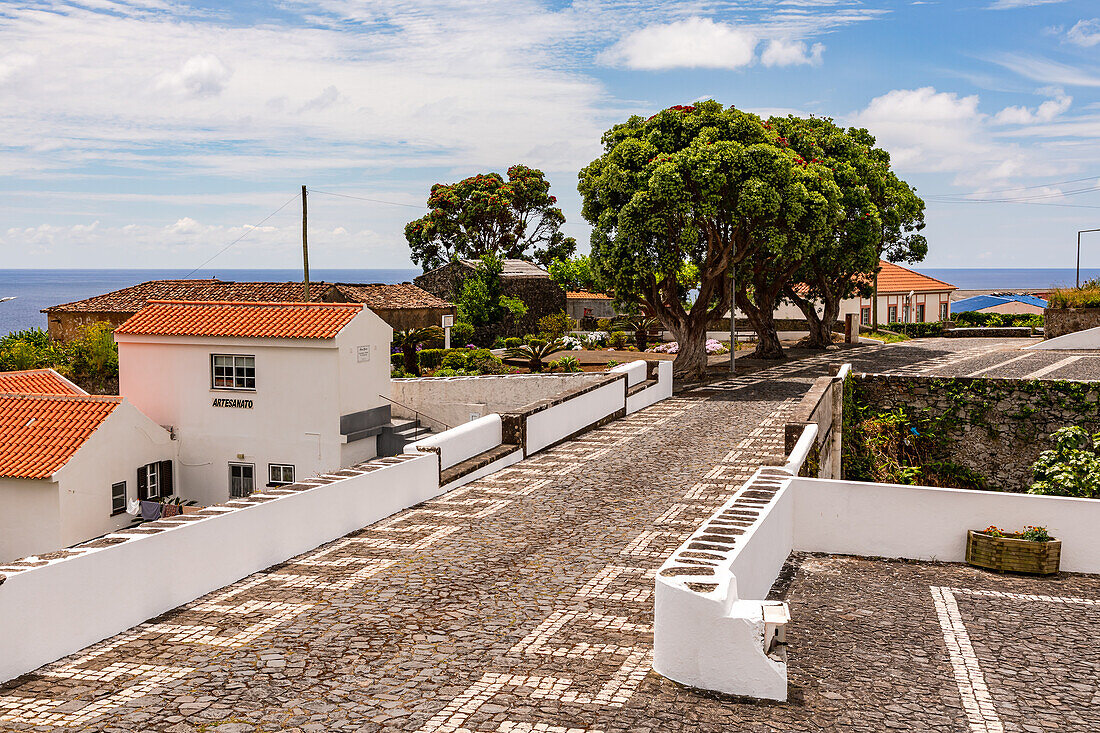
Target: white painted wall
pixel 925 523
pixel 930 300
pixel 466 441
pixel 635 372
pixel 54 610
pixel 303 386
pixel 43 515
pixel 655 393
pixel 451 401
pixel 1087 339
pixel 546 427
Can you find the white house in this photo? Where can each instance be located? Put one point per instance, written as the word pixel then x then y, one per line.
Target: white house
pixel 70 462
pixel 904 296
pixel 258 393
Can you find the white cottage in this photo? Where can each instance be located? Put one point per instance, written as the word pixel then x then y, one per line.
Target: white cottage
pixel 70 462
pixel 258 393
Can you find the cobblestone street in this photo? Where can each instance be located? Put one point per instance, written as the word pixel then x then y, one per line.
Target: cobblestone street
pixel 522 602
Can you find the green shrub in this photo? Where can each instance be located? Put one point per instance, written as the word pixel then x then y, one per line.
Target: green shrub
pixel 498 342
pixel 397 361
pixel 556 325
pixel 917 330
pixel 461 333
pixel 1071 468
pixel 431 358
pixel 604 324
pixel 567 364
pixel 1086 296
pixel 454 359
pixel 973 319
pixel 616 339
pixel 535 342
pixel 482 361
pixel 513 342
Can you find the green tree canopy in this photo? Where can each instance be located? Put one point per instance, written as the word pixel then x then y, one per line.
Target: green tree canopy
pixel 701 187
pixel 486 215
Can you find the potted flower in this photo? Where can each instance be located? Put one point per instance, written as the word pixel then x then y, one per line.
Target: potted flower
pixel 1031 550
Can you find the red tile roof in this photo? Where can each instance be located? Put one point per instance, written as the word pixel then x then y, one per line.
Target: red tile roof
pixel 380 296
pixel 244 320
pixel 37 381
pixel 897 279
pixel 134 298
pixel 40 433
pixel 582 295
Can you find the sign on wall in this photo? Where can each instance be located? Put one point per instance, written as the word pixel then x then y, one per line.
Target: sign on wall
pixel 226 402
pixel 362 354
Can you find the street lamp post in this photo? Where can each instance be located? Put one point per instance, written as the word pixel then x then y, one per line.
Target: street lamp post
pixel 1079 252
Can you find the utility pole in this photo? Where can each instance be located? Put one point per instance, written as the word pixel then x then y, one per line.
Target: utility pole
pixel 305 245
pixel 733 313
pixel 1079 252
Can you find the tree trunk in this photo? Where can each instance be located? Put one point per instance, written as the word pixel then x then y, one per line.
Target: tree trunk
pixel 691 359
pixel 820 334
pixel 763 322
pixel 412 362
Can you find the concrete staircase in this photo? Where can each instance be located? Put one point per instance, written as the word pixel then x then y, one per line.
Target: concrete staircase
pixel 398 433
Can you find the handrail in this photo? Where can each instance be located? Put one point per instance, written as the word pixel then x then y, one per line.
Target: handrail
pixel 418 413
pixel 801 449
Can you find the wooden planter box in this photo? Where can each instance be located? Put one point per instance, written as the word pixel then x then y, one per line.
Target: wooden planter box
pixel 1011 554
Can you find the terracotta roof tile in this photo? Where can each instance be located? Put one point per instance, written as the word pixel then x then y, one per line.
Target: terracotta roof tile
pixel 134 298
pixel 40 433
pixel 580 294
pixel 245 320
pixel 37 381
pixel 897 279
pixel 390 296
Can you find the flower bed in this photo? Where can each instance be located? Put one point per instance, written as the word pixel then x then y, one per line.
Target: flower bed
pixel 1029 551
pixel 672 347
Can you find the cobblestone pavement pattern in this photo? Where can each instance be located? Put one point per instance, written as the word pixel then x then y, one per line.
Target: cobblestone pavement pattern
pixel 522 603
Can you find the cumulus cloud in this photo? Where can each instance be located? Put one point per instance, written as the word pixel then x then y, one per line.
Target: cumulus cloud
pixel 1085 32
pixel 1045 112
pixel 12 64
pixel 780 52
pixel 199 76
pixel 691 43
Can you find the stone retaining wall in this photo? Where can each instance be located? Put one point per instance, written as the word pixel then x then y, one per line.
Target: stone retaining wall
pixel 1060 321
pixel 995 427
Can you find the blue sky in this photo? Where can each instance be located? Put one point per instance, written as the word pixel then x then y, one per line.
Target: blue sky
pixel 151 133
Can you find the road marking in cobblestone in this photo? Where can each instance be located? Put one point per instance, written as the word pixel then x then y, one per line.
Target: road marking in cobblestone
pixel 1053 367
pixel 1000 364
pixel 976 700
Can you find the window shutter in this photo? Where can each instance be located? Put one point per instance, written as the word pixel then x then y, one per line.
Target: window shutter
pixel 142 484
pixel 166 478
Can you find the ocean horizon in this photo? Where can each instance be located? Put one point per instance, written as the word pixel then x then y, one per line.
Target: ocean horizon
pixel 35 289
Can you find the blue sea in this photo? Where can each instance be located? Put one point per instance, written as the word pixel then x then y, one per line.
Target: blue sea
pixel 37 289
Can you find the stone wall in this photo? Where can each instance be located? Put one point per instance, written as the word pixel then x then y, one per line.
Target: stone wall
pixel 995 427
pixel 67 326
pixel 1060 321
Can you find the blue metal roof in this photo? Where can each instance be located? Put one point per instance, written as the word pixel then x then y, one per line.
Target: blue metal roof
pixel 981 302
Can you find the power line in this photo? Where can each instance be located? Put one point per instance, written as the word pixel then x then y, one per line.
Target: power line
pixel 1029 203
pixel 1021 188
pixel 245 234
pixel 363 198
pixel 1036 197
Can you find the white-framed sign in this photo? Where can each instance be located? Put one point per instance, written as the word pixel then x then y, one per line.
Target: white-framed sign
pixel 448 321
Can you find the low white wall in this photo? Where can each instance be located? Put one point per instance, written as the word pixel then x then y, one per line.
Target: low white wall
pixel 450 401
pixel 512 458
pixel 925 523
pixel 53 610
pixel 1087 339
pixel 551 425
pixel 655 393
pixel 466 441
pixel 635 372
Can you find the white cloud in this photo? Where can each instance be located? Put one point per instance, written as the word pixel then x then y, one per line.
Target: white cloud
pixel 12 64
pixel 1047 111
pixel 1045 70
pixel 200 76
pixel 780 52
pixel 1011 4
pixel 691 43
pixel 1085 33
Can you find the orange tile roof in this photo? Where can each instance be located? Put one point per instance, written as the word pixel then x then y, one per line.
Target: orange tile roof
pixel 37 381
pixel 243 320
pixel 897 279
pixel 40 433
pixel 581 294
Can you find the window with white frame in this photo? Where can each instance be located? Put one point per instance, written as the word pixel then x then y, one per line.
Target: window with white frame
pixel 118 498
pixel 944 311
pixel 280 473
pixel 232 371
pixel 920 312
pixel 892 314
pixel 242 479
pixel 865 316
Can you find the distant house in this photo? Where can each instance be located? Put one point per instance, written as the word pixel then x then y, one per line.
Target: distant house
pixel 1001 303
pixel 584 307
pixel 904 296
pixel 398 304
pixel 402 305
pixel 520 279
pixel 70 462
pixel 258 393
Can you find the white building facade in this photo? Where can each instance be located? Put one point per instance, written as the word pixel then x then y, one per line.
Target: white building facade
pixel 258 393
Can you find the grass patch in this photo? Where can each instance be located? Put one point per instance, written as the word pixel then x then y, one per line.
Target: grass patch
pixel 1086 296
pixel 888 337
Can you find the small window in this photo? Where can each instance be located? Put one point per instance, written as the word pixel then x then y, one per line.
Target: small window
pixel 242 479
pixel 892 314
pixel 118 498
pixel 154 480
pixel 280 473
pixel 920 312
pixel 944 307
pixel 230 371
pixel 865 316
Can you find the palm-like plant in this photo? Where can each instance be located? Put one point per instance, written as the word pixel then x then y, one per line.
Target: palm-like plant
pixel 640 325
pixel 409 339
pixel 533 356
